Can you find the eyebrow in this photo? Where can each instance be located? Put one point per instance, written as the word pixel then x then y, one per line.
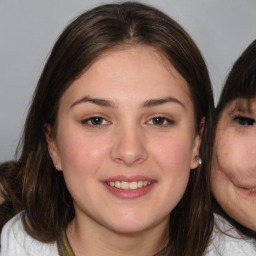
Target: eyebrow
pixel 99 102
pixel 156 102
pixel 109 103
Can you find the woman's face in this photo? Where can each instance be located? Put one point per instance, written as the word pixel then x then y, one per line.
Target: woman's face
pixel 234 171
pixel 126 140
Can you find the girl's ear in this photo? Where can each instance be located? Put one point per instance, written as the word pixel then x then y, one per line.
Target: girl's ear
pixel 195 160
pixel 52 148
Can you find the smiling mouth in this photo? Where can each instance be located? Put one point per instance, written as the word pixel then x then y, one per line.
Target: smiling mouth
pixel 248 189
pixel 129 185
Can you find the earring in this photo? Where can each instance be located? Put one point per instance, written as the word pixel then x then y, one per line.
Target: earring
pixel 56 167
pixel 199 160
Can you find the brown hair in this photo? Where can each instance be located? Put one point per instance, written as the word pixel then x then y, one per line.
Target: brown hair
pixel 10 191
pixel 241 81
pixel 48 204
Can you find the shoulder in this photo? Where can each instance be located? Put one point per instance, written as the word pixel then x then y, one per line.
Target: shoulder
pixel 15 241
pixel 227 241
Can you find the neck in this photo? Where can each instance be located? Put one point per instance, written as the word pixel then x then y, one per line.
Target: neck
pixel 94 239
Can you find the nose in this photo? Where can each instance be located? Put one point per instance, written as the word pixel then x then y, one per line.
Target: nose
pixel 129 147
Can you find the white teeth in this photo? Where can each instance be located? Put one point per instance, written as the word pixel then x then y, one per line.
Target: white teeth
pixel 118 184
pixel 129 185
pixel 133 185
pixel 140 184
pixel 124 185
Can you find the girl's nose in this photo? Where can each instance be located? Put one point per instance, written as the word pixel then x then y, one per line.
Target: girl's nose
pixel 129 147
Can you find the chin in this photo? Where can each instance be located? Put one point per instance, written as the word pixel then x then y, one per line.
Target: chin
pixel 129 229
pixel 130 224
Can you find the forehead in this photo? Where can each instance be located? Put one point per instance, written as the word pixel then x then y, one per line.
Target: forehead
pixel 138 53
pixel 124 69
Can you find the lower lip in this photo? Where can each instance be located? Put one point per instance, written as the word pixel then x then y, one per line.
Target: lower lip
pixel 247 192
pixel 129 193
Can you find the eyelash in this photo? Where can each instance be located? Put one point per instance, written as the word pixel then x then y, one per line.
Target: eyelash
pixel 164 122
pixel 244 121
pixel 95 121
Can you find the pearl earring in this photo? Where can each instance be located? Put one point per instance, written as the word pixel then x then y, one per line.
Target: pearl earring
pixel 199 160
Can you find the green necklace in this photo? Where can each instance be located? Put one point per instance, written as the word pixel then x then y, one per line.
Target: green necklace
pixel 63 244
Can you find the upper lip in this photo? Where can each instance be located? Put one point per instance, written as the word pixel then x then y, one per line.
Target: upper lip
pixel 247 187
pixel 128 178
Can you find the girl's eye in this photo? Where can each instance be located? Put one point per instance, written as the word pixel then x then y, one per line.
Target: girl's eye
pixel 161 121
pixel 241 120
pixel 94 121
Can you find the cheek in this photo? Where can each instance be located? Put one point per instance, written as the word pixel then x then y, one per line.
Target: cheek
pixel 235 156
pixel 80 154
pixel 173 154
pixel 81 159
pixel 219 181
pixel 228 152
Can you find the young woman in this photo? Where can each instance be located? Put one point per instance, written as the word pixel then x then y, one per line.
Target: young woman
pixel 234 167
pixel 111 160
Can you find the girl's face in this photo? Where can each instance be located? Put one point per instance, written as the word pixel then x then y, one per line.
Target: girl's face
pixel 234 171
pixel 126 141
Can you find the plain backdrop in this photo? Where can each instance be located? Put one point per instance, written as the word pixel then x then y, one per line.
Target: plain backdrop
pixel 28 29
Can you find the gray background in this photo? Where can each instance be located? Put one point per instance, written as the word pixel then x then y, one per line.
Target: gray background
pixel 28 29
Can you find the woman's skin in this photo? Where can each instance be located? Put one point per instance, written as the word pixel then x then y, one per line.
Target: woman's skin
pixel 234 171
pixel 127 121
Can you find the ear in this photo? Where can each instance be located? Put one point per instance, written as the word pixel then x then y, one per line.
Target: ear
pixel 52 148
pixel 197 142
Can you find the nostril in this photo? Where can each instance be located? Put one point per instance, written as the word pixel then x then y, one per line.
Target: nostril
pixel 129 147
pixel 129 158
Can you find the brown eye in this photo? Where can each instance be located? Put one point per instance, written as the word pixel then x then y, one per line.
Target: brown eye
pixel 161 121
pixel 245 121
pixel 94 121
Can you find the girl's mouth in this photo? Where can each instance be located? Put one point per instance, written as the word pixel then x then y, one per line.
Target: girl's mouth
pixel 248 189
pixel 129 185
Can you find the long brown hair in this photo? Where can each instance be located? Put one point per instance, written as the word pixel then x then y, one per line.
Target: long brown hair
pixel 10 191
pixel 48 204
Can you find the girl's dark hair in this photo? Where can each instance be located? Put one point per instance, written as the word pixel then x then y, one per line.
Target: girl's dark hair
pixel 240 86
pixel 241 81
pixel 47 202
pixel 10 191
